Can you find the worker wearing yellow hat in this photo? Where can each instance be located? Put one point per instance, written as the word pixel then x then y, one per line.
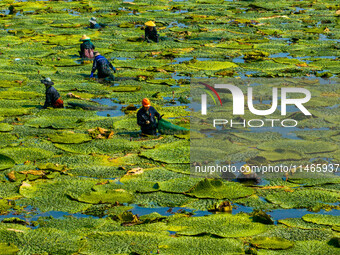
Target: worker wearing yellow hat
pixel 146 118
pixel 151 32
pixel 86 48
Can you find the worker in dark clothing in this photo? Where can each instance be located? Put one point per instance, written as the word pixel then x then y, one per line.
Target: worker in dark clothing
pixel 103 66
pixel 53 98
pixel 151 32
pixel 95 25
pixel 146 118
pixel 86 48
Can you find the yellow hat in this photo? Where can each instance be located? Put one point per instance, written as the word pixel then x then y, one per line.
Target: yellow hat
pixel 84 37
pixel 150 24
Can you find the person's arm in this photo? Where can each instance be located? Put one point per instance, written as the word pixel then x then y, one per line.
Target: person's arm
pixel 140 119
pixel 81 52
pixel 48 100
pixel 56 96
pixel 158 116
pixel 94 67
pixel 146 35
pixel 111 66
pixel 156 35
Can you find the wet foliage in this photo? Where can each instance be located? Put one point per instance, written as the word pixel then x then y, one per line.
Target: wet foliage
pixel 81 180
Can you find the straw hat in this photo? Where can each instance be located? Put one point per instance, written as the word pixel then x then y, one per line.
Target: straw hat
pixel 93 20
pixel 150 24
pixel 84 38
pixel 47 81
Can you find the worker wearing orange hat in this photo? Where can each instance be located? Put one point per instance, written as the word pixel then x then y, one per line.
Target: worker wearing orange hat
pixel 146 118
pixel 151 32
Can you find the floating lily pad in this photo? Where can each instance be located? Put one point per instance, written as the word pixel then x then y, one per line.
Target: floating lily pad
pixel 178 185
pixel 104 197
pixel 271 243
pixel 223 225
pixel 218 189
pixel 68 137
pixel 177 152
pixel 280 154
pixel 5 127
pixel 302 198
pixel 200 245
pixel 18 95
pixel 5 112
pixel 211 65
pixel 299 146
pixel 328 220
pixel 6 162
pixel 4 206
pixel 57 122
pixel 300 223
pixel 305 247
pixel 22 154
pixel 124 242
pixel 53 241
pixel 8 249
pixel 162 199
pixel 107 146
pixel 52 195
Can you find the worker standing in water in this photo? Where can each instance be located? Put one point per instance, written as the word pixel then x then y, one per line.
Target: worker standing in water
pixel 53 98
pixel 94 24
pixel 86 48
pixel 103 66
pixel 146 118
pixel 151 32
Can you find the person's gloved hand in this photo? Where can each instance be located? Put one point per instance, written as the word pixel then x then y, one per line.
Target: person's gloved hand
pixel 147 122
pixel 91 76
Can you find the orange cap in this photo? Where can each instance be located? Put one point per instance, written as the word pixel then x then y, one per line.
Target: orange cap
pixel 146 102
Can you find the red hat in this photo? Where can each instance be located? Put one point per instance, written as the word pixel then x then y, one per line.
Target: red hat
pixel 146 102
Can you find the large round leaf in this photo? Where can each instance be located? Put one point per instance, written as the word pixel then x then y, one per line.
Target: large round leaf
pixel 6 162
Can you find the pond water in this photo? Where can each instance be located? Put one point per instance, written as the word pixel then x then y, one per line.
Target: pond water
pixel 238 59
pixel 110 103
pixel 174 102
pixel 31 214
pixel 286 132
